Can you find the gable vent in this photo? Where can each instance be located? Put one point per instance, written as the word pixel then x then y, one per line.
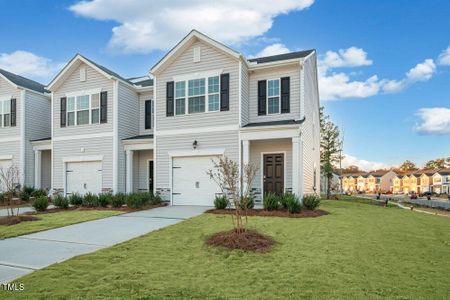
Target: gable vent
pixel 197 54
pixel 82 74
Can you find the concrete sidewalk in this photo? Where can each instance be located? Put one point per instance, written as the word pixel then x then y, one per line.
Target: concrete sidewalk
pixel 24 254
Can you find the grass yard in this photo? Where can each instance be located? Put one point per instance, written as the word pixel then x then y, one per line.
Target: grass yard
pixel 54 220
pixel 357 251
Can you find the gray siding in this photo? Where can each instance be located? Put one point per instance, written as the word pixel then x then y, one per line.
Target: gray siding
pixel 140 169
pixel 273 73
pixel 142 98
pixel 128 127
pixel 46 169
pixel 311 128
pixel 37 126
pixel 72 84
pixel 245 90
pixel 211 59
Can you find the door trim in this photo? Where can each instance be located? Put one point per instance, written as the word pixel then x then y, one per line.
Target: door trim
pixel 262 170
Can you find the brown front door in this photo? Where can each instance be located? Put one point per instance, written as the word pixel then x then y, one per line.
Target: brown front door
pixel 274 173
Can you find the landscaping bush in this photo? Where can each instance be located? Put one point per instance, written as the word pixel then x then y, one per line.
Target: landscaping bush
pixel 157 199
pixel 26 193
pixel 105 199
pixel 75 199
pixel 61 201
pixel 118 200
pixel 293 204
pixel 311 202
pixel 248 203
pixel 135 200
pixel 146 198
pixel 39 193
pixel 221 202
pixel 90 200
pixel 40 203
pixel 271 201
pixel 285 198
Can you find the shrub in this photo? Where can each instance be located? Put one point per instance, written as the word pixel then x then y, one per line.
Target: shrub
pixel 135 200
pixel 39 193
pixel 90 200
pixel 75 199
pixel 146 198
pixel 311 202
pixel 157 199
pixel 118 200
pixel 285 199
pixel 271 201
pixel 26 193
pixel 293 204
pixel 61 202
pixel 40 203
pixel 247 203
pixel 105 199
pixel 221 202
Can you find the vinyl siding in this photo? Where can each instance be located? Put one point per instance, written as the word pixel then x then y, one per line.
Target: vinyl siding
pixel 245 105
pixel 271 146
pixel 142 98
pixel 211 59
pixel 128 127
pixel 37 126
pixel 6 89
pixel 311 128
pixel 227 140
pixel 72 84
pixel 274 73
pixel 46 169
pixel 140 169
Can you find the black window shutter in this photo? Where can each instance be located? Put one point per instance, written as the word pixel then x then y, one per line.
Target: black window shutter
pixel 169 98
pixel 104 107
pixel 224 92
pixel 262 95
pixel 148 114
pixel 63 111
pixel 285 95
pixel 13 112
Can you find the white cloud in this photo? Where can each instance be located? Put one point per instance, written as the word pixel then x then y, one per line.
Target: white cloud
pixel 362 164
pixel 350 57
pixel 28 64
pixel 421 72
pixel 444 57
pixel 339 86
pixel 434 120
pixel 270 50
pixel 149 25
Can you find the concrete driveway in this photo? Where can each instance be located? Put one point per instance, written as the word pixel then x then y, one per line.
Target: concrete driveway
pixel 24 254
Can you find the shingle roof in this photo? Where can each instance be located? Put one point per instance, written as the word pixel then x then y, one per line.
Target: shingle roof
pixel 445 171
pixel 291 55
pixel 140 137
pixel 24 82
pixel 104 69
pixel 275 123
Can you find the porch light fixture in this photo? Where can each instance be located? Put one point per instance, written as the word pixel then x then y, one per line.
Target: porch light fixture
pixel 194 144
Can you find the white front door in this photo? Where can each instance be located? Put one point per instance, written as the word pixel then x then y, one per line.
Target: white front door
pixel 84 177
pixel 191 185
pixel 4 166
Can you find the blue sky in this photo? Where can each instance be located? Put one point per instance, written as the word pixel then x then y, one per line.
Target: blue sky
pixel 402 113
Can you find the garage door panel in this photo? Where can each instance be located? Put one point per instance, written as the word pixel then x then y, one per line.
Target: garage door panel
pixel 191 184
pixel 84 177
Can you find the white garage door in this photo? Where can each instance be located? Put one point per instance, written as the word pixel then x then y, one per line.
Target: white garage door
pixel 84 177
pixel 191 184
pixel 4 165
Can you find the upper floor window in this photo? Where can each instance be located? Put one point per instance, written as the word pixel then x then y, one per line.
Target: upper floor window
pixel 202 95
pixel 5 113
pixel 273 96
pixel 83 110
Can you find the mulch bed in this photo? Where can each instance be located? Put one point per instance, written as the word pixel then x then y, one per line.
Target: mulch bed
pixel 250 240
pixel 272 213
pixel 17 219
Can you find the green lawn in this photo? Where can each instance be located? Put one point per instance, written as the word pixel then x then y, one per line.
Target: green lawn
pixel 357 251
pixel 54 220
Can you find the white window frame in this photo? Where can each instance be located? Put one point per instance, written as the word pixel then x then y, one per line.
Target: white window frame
pixel 76 110
pixel 279 96
pixel 2 115
pixel 186 94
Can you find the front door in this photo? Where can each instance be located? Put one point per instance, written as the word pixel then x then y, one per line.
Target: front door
pixel 274 173
pixel 150 176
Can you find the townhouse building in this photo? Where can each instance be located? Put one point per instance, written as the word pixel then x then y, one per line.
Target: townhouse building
pixel 441 181
pixel 161 132
pixel 24 118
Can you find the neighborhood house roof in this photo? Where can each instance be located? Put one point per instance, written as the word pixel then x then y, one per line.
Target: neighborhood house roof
pixel 445 171
pixel 24 82
pixel 286 56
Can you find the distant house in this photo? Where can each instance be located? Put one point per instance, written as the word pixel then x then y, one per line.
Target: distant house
pixel 361 183
pixel 426 180
pixel 414 182
pixel 441 181
pixel 380 181
pixel 397 185
pixel 405 183
pixel 349 182
pixel 335 183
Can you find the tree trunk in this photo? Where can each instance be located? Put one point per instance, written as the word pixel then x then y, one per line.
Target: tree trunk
pixel 329 186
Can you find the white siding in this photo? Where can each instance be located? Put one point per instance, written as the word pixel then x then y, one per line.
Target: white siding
pixel 211 59
pixel 274 73
pixel 245 105
pixel 142 98
pixel 271 146
pixel 311 128
pixel 128 126
pixel 140 168
pixel 37 126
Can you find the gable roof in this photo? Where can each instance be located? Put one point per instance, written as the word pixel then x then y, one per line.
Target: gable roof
pixel 445 171
pixel 23 82
pixel 101 69
pixel 286 56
